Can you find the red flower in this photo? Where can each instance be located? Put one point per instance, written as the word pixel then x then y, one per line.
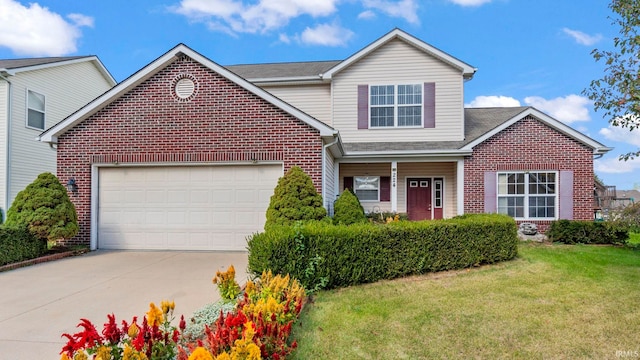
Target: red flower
pixel 111 332
pixel 183 324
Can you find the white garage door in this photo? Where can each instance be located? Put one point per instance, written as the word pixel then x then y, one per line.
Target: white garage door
pixel 185 208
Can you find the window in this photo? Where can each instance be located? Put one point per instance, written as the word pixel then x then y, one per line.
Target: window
pixel 527 195
pixel 437 193
pixel 367 188
pixel 396 105
pixel 35 110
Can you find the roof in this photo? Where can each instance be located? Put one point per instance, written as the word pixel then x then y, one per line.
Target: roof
pixel 283 70
pixel 51 135
pixel 324 70
pixel 480 124
pixel 14 66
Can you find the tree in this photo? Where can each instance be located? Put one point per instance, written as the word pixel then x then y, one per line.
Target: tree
pixel 294 198
pixel 45 209
pixel 348 209
pixel 617 93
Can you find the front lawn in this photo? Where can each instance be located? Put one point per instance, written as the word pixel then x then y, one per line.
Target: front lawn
pixel 560 301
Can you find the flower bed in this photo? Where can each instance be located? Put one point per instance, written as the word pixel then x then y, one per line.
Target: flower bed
pixel 257 328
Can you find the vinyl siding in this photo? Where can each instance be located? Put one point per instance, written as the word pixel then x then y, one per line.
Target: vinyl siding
pixel 329 181
pixel 444 170
pixel 4 109
pixel 314 100
pixel 399 63
pixel 66 89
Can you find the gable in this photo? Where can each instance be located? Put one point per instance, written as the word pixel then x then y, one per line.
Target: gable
pixel 157 66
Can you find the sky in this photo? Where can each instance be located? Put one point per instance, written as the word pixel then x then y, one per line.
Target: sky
pixel 527 52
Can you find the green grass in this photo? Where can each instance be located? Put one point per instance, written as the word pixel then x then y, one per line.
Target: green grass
pixel 553 302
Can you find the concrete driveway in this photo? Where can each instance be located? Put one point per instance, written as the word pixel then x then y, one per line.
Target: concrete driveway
pixel 41 302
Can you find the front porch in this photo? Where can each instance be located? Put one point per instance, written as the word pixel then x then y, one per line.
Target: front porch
pixel 422 190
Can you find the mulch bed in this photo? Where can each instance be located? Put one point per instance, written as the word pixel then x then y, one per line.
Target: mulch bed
pixel 53 254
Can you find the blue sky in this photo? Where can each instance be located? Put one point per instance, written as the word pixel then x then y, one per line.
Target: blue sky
pixel 527 52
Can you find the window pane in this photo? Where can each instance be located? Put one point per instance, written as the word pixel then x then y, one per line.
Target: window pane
pixel 409 94
pixel 366 182
pixel 36 101
pixel 382 95
pixel 409 116
pixel 512 206
pixel 36 119
pixel 542 207
pixel 367 195
pixel 381 116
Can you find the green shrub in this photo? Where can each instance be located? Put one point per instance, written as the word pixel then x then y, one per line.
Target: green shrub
pixel 587 232
pixel 294 199
pixel 363 253
pixel 348 210
pixel 18 244
pixel 45 209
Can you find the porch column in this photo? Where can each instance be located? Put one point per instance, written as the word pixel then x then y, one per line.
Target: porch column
pixel 460 186
pixel 394 186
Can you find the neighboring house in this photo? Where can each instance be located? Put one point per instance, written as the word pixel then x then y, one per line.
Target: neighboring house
pixel 185 153
pixel 35 94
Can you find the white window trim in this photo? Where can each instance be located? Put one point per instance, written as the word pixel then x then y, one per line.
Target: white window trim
pixel 355 190
pixel 395 106
pixel 527 195
pixel 26 120
pixel 441 182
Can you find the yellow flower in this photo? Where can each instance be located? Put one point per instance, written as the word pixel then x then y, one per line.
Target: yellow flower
pixel 103 353
pixel 200 353
pixel 131 354
pixel 80 356
pixel 133 331
pixel 249 332
pixel 154 315
pixel 167 306
pixel 65 357
pixel 223 356
pixel 245 349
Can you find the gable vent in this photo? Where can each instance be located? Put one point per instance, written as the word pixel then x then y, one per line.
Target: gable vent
pixel 184 87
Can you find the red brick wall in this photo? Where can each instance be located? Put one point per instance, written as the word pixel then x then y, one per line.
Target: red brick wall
pixel 531 145
pixel 223 123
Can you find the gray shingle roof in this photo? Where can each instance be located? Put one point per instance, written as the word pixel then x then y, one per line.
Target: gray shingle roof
pixel 478 121
pixel 20 63
pixel 282 70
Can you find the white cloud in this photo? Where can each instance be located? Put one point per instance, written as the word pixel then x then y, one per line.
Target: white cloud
pixel 615 166
pixel 367 14
pixel 252 17
pixel 582 38
pixel 284 38
pixel 470 2
pixel 326 35
pixel 493 101
pixel 406 9
pixel 567 109
pixel 620 134
pixel 37 31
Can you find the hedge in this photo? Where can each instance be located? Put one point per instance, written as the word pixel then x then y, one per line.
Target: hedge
pixel 587 232
pixel 18 244
pixel 324 255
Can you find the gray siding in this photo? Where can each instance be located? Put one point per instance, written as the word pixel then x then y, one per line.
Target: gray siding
pixel 314 100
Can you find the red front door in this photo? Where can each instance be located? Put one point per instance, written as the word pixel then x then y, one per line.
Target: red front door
pixel 419 199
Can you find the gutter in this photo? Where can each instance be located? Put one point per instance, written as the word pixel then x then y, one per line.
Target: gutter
pixel 8 140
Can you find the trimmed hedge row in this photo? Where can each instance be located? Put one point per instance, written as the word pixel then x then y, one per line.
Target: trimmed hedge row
pixel 19 244
pixel 587 232
pixel 327 256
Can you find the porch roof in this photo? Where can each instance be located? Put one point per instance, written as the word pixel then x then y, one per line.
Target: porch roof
pixel 478 122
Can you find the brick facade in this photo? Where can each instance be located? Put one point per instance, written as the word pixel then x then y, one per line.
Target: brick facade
pixel 531 145
pixel 223 123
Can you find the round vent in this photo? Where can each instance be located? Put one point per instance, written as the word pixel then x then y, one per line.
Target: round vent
pixel 184 87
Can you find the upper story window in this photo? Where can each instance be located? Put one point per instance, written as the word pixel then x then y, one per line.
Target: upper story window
pixel 35 110
pixel 531 195
pixel 396 105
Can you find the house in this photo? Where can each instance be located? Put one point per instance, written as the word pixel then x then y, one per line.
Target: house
pixel 185 153
pixel 35 94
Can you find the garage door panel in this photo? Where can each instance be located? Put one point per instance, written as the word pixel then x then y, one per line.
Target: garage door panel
pixel 192 208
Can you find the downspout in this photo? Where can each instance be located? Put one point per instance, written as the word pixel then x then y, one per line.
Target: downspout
pixel 324 164
pixel 8 152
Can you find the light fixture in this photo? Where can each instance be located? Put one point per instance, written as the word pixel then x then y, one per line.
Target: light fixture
pixel 72 187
